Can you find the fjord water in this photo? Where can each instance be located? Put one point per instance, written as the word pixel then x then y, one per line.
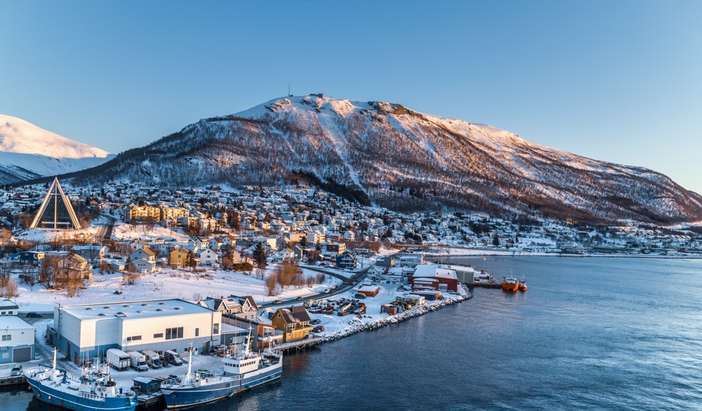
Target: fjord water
pixel 591 333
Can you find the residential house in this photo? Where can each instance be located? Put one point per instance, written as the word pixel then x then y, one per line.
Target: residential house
pixel 143 260
pixel 208 257
pixel 294 322
pixel 346 260
pixel 179 257
pixel 241 307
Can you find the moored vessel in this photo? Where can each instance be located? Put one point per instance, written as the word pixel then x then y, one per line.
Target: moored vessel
pixel 197 388
pixel 242 371
pixel 93 391
pixel 510 285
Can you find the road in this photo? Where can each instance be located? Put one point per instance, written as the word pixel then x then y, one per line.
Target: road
pixel 347 284
pixel 105 230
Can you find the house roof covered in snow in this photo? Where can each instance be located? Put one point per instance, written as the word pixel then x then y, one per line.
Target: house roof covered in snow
pixel 434 271
pixel 12 322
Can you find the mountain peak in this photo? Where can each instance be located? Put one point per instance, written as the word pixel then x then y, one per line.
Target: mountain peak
pixel 22 137
pixel 390 155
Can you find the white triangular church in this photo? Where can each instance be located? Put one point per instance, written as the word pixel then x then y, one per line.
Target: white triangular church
pixel 56 211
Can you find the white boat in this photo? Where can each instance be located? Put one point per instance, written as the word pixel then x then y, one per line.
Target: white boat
pixel 483 278
pixel 242 371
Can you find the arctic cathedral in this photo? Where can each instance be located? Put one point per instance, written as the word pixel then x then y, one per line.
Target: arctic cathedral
pixel 56 211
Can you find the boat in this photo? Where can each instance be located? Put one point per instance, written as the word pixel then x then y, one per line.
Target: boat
pixel 251 369
pixel 201 387
pixel 93 391
pixel 482 278
pixel 242 371
pixel 523 287
pixel 510 285
pixel 11 376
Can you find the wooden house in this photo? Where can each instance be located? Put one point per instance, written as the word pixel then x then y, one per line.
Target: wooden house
pixel 142 260
pixel 178 257
pixel 294 322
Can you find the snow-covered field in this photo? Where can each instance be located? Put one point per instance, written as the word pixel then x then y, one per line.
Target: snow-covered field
pixel 48 236
pixel 167 283
pixel 147 233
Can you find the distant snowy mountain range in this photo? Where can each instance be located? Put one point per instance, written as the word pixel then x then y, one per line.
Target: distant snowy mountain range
pixel 28 151
pixel 387 154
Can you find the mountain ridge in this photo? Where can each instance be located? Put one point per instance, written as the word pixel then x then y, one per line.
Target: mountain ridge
pixel 28 151
pixel 401 158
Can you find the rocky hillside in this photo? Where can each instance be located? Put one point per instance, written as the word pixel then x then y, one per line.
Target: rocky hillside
pixel 388 154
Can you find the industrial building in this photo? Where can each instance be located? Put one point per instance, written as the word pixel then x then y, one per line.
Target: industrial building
pixel 85 331
pixel 16 340
pixel 432 276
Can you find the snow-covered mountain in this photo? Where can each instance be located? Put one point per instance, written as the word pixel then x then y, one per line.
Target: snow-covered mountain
pixel 390 155
pixel 28 151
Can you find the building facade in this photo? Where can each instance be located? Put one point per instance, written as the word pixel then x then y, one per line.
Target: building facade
pixel 85 331
pixel 16 340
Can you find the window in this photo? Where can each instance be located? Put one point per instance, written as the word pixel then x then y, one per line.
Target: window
pixel 197 332
pixel 134 338
pixel 175 332
pixel 158 335
pixel 6 337
pixel 215 328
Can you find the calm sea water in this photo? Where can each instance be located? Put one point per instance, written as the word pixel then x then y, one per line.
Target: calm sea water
pixel 591 333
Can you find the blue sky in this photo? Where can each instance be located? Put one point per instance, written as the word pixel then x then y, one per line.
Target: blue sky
pixel 618 81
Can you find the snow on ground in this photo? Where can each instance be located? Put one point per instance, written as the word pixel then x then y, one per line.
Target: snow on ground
pixel 167 283
pixel 339 326
pixel 148 233
pixel 47 236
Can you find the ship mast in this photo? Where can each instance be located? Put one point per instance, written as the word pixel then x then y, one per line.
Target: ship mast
pixel 188 376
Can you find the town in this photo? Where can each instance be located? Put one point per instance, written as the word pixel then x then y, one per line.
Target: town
pixel 144 278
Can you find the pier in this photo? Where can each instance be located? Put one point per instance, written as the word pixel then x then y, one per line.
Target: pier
pixel 299 345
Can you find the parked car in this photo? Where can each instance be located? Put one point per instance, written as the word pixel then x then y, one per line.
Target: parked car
pixel 172 357
pixel 152 359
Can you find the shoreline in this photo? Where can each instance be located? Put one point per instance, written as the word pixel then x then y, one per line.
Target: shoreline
pixel 360 326
pixel 503 254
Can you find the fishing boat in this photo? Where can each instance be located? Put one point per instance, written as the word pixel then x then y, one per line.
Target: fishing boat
pixel 197 388
pixel 251 369
pixel 242 371
pixel 93 391
pixel 510 285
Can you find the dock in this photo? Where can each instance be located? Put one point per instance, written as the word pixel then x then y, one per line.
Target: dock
pixel 299 345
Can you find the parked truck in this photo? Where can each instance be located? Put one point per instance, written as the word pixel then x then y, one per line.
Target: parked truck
pixel 138 361
pixel 152 359
pixel 118 359
pixel 172 357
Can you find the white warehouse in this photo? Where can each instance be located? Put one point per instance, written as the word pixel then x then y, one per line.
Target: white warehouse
pixel 84 331
pixel 16 340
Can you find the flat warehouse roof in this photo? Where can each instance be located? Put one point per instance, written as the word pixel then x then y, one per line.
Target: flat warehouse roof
pixel 11 322
pixel 134 309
